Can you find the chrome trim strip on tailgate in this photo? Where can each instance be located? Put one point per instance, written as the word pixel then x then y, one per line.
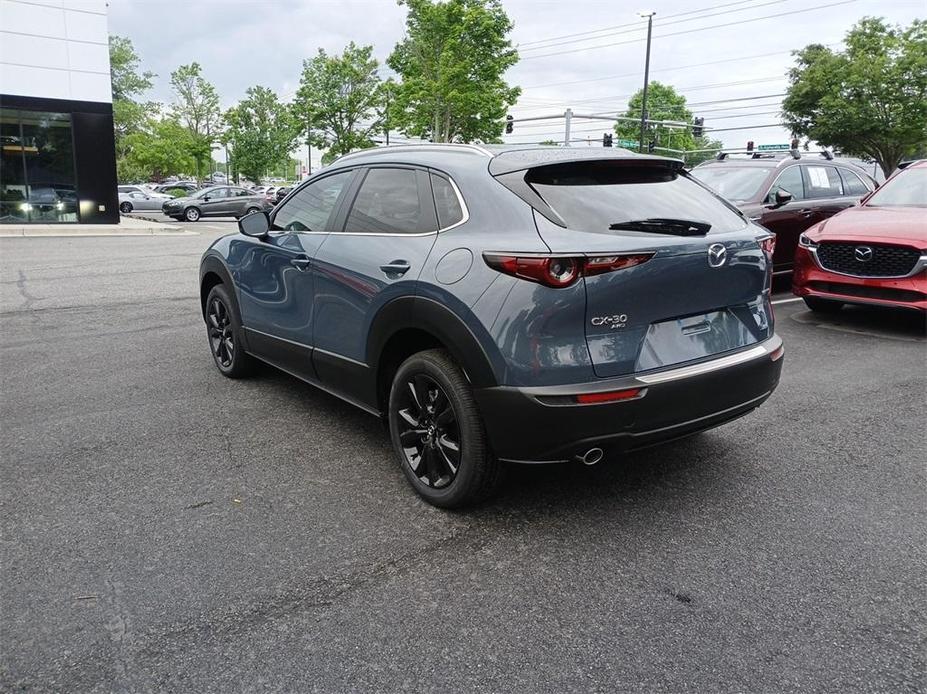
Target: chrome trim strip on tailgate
pixel 762 350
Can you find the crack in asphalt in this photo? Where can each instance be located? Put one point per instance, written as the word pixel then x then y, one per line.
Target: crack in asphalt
pixel 90 308
pixel 27 296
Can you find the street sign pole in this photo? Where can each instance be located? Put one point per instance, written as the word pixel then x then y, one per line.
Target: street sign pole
pixel 649 16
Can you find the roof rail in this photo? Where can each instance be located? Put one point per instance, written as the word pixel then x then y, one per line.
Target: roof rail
pixel 450 146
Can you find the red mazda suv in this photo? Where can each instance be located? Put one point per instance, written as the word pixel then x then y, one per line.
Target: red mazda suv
pixel 874 253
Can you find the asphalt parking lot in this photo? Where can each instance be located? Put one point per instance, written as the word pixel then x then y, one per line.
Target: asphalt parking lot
pixel 164 528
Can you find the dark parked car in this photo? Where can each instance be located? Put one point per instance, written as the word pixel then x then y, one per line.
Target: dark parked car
pixel 874 253
pixel 281 193
pixel 218 201
pixel 177 189
pixel 501 306
pixel 784 194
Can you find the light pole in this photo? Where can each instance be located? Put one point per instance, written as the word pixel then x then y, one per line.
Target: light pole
pixel 649 16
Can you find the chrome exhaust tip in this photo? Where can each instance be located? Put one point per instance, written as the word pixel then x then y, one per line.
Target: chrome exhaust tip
pixel 591 457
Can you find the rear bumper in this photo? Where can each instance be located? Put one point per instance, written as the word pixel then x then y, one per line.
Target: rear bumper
pixel 524 427
pixel 809 279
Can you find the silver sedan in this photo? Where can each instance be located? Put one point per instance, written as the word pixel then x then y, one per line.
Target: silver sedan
pixel 140 200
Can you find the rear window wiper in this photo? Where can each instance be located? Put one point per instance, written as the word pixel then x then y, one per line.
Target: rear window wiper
pixel 662 225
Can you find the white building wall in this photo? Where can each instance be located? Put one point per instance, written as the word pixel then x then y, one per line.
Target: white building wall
pixel 57 49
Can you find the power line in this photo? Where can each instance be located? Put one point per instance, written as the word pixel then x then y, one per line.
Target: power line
pixel 665 69
pixel 627 24
pixel 694 30
pixel 660 24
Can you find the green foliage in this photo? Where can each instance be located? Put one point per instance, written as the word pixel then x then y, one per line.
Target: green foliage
pixel 260 134
pixel 341 96
pixel 162 149
pixel 196 106
pixel 663 103
pixel 124 62
pixel 452 61
pixel 869 100
pixel 129 115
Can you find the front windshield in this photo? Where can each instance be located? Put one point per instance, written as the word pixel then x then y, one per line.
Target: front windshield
pixel 907 189
pixel 736 183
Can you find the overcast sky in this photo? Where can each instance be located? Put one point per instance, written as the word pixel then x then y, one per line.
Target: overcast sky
pixel 241 43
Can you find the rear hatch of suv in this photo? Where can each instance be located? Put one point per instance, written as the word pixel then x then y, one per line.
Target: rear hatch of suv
pixel 691 274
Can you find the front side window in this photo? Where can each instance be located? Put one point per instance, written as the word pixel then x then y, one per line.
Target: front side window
pixel 390 202
pixel 447 204
pixel 311 208
pixel 603 197
pixel 852 184
pixel 789 181
pixel 822 182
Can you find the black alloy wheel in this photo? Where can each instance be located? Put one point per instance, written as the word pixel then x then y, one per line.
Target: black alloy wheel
pixel 221 337
pixel 429 432
pixel 125 207
pixel 223 330
pixel 438 433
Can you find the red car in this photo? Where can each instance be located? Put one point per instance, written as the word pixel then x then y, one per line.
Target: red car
pixel 874 253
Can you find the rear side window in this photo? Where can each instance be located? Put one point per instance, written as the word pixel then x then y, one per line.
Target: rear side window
pixel 390 201
pixel 852 185
pixel 598 196
pixel 822 182
pixel 447 203
pixel 311 207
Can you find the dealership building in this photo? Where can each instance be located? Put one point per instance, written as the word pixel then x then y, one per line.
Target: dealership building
pixel 58 161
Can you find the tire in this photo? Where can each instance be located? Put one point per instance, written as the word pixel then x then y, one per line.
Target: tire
pixel 125 207
pixel 192 214
pixel 223 332
pixel 822 305
pixel 431 413
pixel 251 210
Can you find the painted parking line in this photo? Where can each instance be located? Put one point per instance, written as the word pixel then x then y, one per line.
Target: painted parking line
pixel 786 301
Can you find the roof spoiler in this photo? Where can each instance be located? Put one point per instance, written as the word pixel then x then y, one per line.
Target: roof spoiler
pixel 906 164
pixel 523 160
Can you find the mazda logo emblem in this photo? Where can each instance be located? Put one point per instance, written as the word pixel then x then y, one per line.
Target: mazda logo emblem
pixel 863 254
pixel 717 255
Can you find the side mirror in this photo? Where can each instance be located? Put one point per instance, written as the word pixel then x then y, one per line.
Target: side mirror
pixel 256 224
pixel 206 198
pixel 781 197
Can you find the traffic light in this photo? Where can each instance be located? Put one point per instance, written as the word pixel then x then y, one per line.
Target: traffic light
pixel 749 145
pixel 697 129
pixel 607 139
pixel 509 125
pixel 651 146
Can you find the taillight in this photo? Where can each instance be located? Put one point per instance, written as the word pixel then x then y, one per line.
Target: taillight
pixel 768 244
pixel 561 271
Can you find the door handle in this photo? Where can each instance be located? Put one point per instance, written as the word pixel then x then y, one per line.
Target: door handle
pixel 806 212
pixel 397 267
pixel 301 262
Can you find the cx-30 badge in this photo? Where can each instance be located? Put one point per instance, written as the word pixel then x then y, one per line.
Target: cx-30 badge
pixel 717 255
pixel 863 254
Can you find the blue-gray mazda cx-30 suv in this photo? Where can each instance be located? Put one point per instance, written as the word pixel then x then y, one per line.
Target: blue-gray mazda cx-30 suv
pixel 500 305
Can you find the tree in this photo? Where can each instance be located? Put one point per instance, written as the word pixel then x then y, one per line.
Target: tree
pixel 869 100
pixel 196 106
pixel 261 132
pixel 128 83
pixel 162 149
pixel 339 99
pixel 452 63
pixel 664 103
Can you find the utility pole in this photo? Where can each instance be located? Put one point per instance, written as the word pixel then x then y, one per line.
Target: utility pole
pixel 386 116
pixel 567 118
pixel 649 16
pixel 308 145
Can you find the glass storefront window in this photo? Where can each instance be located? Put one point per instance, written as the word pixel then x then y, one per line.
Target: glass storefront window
pixel 37 181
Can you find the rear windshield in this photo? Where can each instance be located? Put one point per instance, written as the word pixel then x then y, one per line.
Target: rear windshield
pixel 907 189
pixel 737 183
pixel 596 196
